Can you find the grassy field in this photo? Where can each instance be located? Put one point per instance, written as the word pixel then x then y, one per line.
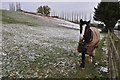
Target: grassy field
pixel 38 48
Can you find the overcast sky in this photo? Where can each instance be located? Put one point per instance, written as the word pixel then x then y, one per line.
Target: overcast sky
pixel 50 0
pixel 57 6
pixel 83 7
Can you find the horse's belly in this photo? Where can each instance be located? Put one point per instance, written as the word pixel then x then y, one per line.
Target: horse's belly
pixel 90 50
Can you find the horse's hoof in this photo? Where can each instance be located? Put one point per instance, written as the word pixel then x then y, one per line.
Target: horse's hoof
pixel 82 66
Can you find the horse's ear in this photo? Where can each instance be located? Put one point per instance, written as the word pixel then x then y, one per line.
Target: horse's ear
pixel 88 22
pixel 81 20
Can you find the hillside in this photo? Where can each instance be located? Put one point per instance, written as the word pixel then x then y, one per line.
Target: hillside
pixel 40 47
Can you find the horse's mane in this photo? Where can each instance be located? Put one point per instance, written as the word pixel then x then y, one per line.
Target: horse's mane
pixel 93 25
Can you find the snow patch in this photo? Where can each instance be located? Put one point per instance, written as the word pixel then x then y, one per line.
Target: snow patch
pixel 66 23
pixel 3 54
pixel 103 69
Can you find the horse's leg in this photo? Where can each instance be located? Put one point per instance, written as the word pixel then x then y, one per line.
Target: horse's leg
pixel 83 61
pixel 90 59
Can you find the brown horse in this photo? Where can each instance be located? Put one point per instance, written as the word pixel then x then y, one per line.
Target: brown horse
pixel 89 39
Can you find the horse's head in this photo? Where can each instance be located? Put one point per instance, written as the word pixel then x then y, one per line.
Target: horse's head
pixel 84 28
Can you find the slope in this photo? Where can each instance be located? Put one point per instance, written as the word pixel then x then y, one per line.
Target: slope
pixel 36 47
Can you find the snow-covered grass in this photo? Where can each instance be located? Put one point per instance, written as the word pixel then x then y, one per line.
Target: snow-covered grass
pixel 41 47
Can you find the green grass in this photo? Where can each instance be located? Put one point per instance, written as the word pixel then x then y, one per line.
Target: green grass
pixel 14 19
pixel 115 38
pixel 53 56
pixel 0 15
pixel 9 17
pixel 9 20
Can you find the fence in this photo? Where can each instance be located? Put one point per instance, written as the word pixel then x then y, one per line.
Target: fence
pixel 113 59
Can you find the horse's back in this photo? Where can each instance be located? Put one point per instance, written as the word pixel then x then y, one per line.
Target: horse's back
pixel 96 35
pixel 95 40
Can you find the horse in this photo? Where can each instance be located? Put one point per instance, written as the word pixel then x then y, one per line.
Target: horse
pixel 88 42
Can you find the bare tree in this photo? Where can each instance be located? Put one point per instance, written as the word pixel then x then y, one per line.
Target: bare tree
pixel 18 6
pixel 11 7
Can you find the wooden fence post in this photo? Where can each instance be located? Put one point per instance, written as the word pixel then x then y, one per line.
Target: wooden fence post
pixel 114 59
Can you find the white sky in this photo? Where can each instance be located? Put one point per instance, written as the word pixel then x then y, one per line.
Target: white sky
pixel 57 0
pixel 50 0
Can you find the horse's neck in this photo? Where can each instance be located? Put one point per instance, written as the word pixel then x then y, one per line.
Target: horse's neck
pixel 88 36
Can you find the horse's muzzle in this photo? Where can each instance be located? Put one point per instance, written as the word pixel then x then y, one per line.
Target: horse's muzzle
pixel 81 47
